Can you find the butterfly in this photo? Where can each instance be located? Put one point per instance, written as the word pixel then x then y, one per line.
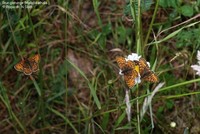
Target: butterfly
pixel 128 70
pixel 28 65
pixel 145 72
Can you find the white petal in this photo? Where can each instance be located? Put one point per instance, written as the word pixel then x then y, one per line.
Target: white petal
pixel 120 72
pixel 133 56
pixel 196 68
pixel 137 79
pixel 148 64
pixel 198 73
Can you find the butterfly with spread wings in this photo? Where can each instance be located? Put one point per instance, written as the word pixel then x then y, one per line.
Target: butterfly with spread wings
pixel 128 70
pixel 29 65
pixel 132 69
pixel 145 72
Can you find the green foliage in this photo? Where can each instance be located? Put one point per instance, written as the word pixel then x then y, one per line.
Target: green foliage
pixel 145 5
pixel 169 3
pixel 169 104
pixel 100 37
pixel 123 33
pixel 187 10
pixel 188 38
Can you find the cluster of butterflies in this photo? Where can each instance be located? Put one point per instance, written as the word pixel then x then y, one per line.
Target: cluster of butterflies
pixel 28 65
pixel 132 69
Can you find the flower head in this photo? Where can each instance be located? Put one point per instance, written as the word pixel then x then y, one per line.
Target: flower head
pixel 133 56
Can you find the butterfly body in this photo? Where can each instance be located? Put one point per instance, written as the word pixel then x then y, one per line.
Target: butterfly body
pixel 28 65
pixel 126 70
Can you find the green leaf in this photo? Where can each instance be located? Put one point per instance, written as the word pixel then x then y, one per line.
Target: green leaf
pixel 168 3
pixel 105 120
pixel 120 119
pixel 187 10
pixel 107 29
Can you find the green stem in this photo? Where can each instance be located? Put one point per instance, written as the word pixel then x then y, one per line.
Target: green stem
pixel 151 24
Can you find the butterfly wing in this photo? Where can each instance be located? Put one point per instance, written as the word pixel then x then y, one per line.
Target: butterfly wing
pixel 27 69
pixel 143 66
pixel 34 66
pixel 121 62
pixel 130 81
pixel 33 61
pixel 24 67
pixel 145 72
pixel 19 66
pixel 132 66
pixel 130 76
pixel 35 58
pixel 150 76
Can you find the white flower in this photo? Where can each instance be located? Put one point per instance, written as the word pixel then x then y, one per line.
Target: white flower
pixel 133 56
pixel 173 124
pixel 197 67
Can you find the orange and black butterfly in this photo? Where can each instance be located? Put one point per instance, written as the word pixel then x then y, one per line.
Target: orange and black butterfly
pixel 128 70
pixel 29 65
pixel 145 72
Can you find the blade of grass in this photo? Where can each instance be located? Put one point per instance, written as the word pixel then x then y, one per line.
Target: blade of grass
pixel 36 85
pixel 105 120
pixel 64 118
pixel 181 95
pixel 168 88
pixel 96 4
pixel 91 87
pixel 137 18
pixel 179 84
pixel 99 126
pixel 138 111
pixel 119 120
pixel 5 100
pixel 152 21
pixel 173 33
